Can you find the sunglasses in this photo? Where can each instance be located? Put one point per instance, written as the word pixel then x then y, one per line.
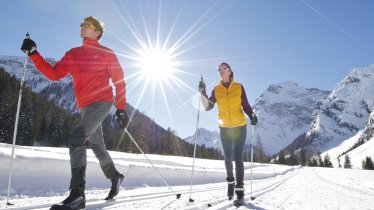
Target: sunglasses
pixel 88 25
pixel 221 69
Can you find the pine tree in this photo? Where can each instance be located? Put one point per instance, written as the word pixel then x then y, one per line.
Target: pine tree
pixel 54 129
pixel 260 152
pixel 319 160
pixel 339 165
pixel 368 164
pixel 327 162
pixel 281 158
pixel 313 162
pixel 303 157
pixel 169 147
pixel 292 159
pixel 347 162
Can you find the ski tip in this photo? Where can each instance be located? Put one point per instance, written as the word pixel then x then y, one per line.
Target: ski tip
pixel 179 195
pixel 9 204
pixel 191 200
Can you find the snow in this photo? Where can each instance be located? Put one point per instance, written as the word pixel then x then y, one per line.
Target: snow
pixel 356 156
pixel 41 177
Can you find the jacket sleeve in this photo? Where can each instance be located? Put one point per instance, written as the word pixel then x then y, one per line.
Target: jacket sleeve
pixel 60 70
pixel 246 106
pixel 118 78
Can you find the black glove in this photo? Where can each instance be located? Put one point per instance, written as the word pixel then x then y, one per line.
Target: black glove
pixel 29 46
pixel 122 118
pixel 253 119
pixel 201 86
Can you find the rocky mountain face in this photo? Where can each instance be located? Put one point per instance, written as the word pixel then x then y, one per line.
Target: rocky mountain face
pixel 285 112
pixel 342 113
pixel 368 132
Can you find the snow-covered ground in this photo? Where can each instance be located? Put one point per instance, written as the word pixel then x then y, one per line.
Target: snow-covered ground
pixel 356 156
pixel 41 177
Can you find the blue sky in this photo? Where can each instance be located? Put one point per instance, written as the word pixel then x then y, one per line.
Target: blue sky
pixel 313 43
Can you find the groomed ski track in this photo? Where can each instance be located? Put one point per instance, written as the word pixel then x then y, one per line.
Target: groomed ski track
pixel 144 197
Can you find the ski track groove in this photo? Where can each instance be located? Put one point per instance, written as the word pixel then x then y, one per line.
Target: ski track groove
pixel 219 202
pixel 223 203
pixel 340 185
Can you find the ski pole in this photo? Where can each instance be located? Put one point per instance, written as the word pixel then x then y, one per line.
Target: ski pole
pixel 253 136
pixel 16 123
pixel 133 140
pixel 194 150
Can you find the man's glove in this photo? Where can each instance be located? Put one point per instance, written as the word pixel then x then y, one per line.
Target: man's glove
pixel 28 46
pixel 253 119
pixel 201 86
pixel 122 118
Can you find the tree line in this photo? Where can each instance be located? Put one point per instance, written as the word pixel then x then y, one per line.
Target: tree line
pixel 300 158
pixel 43 123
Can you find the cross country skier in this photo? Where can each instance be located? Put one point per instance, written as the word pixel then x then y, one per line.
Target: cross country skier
pixel 91 66
pixel 231 100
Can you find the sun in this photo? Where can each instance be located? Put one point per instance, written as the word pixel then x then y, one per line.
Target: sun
pixel 155 64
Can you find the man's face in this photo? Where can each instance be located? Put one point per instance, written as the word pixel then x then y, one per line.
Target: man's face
pixel 88 30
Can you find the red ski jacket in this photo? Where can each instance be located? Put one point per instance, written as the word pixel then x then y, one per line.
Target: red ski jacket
pixel 91 67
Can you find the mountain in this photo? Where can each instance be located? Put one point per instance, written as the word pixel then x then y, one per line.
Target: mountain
pixel 61 93
pixel 342 114
pixel 208 138
pixel 368 131
pixel 284 112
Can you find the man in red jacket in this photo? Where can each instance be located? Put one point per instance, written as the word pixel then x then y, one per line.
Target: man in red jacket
pixel 91 66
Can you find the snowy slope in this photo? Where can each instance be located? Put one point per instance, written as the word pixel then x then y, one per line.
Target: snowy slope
pixel 358 154
pixel 284 111
pixel 344 112
pixel 41 177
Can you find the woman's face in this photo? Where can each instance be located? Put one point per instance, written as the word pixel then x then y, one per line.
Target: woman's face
pixel 224 72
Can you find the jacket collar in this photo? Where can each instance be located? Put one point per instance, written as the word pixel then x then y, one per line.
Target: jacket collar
pixel 91 42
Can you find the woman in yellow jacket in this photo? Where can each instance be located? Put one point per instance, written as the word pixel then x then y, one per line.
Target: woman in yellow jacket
pixel 232 101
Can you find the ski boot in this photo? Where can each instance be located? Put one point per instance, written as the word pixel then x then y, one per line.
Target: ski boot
pixel 75 200
pixel 239 190
pixel 116 183
pixel 230 188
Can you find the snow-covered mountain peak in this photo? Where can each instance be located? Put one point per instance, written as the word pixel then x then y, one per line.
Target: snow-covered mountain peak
pixel 207 138
pixel 344 112
pixel 285 112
